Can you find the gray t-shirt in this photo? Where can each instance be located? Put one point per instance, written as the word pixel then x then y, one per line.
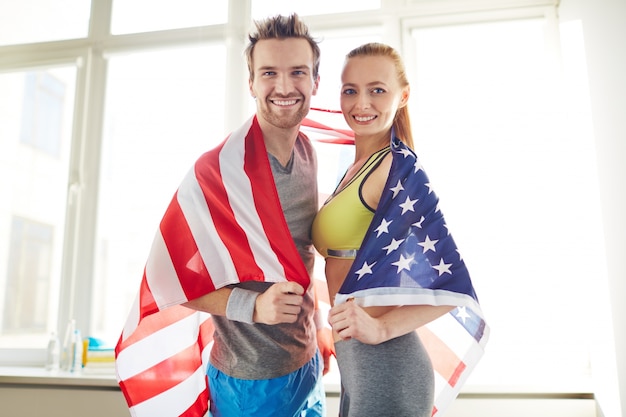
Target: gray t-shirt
pixel 259 351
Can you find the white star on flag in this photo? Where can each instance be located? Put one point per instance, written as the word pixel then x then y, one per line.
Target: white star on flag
pixel 462 314
pixel 395 244
pixel 443 267
pixel 405 152
pixel 419 223
pixel 397 189
pixel 383 227
pixel 408 205
pixel 428 244
pixel 403 263
pixel 365 269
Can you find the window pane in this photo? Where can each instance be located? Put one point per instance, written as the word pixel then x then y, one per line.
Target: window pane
pixel 36 109
pixel 489 124
pixel 27 21
pixel 163 110
pixel 262 8
pixel 133 16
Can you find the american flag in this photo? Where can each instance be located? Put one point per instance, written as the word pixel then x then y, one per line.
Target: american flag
pixel 408 257
pixel 224 225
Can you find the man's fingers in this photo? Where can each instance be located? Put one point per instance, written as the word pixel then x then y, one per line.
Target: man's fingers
pixel 290 287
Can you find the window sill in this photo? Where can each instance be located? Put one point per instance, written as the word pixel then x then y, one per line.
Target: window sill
pixel 40 376
pixel 37 376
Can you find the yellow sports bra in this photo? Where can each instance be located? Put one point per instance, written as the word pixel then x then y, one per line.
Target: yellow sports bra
pixel 340 225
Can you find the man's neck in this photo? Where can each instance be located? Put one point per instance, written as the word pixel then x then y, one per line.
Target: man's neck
pixel 280 142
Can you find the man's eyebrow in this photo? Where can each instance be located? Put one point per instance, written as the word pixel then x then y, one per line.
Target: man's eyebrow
pixel 273 67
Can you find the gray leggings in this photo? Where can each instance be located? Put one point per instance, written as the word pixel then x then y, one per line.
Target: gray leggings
pixel 392 379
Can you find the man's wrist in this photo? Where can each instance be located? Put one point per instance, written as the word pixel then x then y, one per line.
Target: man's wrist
pixel 240 306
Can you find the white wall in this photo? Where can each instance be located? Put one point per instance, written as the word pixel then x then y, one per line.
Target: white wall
pixel 604 32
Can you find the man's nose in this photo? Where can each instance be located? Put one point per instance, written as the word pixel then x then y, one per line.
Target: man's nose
pixel 284 84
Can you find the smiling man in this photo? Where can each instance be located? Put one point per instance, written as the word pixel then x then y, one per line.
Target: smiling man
pixel 265 360
pixel 235 243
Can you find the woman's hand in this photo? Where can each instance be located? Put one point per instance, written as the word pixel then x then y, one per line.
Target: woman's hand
pixel 349 321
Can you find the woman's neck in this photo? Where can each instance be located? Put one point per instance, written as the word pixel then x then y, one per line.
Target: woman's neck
pixel 365 146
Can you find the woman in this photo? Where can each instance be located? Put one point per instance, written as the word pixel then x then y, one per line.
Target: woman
pixel 385 370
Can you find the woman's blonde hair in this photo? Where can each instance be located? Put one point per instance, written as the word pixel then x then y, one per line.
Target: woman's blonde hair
pixel 402 121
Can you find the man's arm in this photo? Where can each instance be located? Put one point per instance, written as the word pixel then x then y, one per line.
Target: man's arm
pixel 214 302
pixel 281 303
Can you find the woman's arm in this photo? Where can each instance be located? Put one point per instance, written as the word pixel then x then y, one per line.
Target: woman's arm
pixel 351 321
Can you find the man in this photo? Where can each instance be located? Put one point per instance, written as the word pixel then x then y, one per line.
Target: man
pixel 235 243
pixel 264 337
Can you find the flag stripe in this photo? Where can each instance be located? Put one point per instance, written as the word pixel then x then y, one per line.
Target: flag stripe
pixel 151 324
pixel 240 189
pixel 219 199
pixel 141 355
pixel 276 231
pixel 176 400
pixel 444 360
pixel 213 251
pixel 162 376
pixel 166 291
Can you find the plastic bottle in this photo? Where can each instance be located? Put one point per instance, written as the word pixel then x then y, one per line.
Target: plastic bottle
pixel 77 352
pixel 66 356
pixel 53 354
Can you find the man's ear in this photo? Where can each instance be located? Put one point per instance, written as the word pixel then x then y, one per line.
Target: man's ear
pixel 250 88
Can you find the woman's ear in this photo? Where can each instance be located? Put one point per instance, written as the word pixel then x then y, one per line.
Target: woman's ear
pixel 404 98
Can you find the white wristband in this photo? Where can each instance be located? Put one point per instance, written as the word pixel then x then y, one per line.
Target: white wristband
pixel 240 306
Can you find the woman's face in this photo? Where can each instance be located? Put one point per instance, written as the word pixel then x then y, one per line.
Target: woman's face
pixel 371 94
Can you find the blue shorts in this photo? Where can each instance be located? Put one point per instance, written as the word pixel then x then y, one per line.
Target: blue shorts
pixel 298 394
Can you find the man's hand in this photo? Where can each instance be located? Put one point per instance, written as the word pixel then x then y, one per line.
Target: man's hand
pixel 326 346
pixel 281 303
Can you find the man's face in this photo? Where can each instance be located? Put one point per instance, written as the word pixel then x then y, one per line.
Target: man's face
pixel 283 81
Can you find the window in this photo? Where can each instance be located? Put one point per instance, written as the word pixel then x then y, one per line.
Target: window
pixel 489 121
pixel 163 110
pixel 42 118
pixel 133 16
pixel 29 21
pixel 28 280
pixel 36 112
pixel 261 8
